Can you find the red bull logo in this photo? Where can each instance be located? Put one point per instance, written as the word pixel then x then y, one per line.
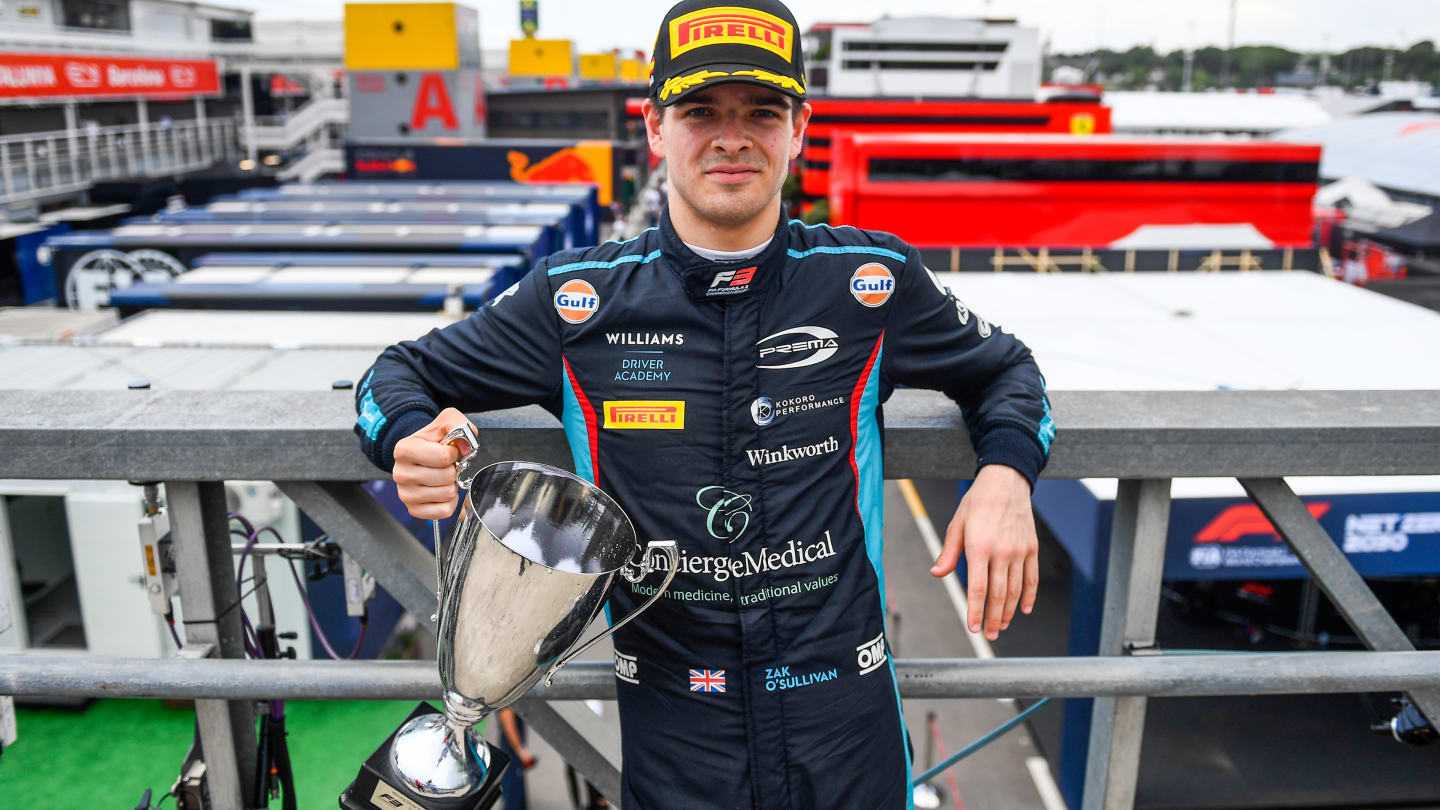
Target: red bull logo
pixel 576 301
pixel 728 24
pixel 872 284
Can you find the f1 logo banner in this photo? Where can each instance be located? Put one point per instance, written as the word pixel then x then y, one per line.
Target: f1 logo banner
pixel 35 75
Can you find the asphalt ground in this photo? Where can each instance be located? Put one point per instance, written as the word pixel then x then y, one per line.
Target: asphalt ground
pixel 1008 774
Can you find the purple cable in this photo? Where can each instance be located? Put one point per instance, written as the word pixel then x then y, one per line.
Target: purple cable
pixel 314 623
pixel 252 639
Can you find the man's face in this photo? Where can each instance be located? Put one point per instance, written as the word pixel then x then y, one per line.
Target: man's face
pixel 727 148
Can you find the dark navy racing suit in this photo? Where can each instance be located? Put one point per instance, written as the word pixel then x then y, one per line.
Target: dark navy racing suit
pixel 735 408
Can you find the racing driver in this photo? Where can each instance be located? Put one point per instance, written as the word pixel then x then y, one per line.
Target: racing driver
pixel 721 376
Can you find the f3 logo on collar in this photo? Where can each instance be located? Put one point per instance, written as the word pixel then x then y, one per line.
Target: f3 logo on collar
pixel 729 282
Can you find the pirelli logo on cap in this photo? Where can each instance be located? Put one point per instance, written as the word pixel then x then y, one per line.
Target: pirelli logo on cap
pixel 644 414
pixel 729 24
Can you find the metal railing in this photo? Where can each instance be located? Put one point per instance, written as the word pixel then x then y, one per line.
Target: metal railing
pixel 51 164
pixel 196 440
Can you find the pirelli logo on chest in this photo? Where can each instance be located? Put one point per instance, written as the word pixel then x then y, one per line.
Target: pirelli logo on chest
pixel 732 25
pixel 644 414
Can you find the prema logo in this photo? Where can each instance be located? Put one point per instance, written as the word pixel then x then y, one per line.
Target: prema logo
pixel 816 345
pixel 576 301
pixel 82 74
pixel 183 76
pixel 1245 519
pixel 872 284
pixel 639 414
pixel 871 655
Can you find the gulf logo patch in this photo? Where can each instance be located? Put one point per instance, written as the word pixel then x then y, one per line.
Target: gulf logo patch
pixel 576 301
pixel 872 284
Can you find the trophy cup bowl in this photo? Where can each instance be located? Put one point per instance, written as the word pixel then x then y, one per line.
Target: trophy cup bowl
pixel 528 567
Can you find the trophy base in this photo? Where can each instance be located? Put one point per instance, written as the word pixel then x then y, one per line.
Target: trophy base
pixel 377 787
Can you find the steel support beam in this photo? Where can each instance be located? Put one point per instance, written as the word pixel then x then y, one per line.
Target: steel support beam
pixel 200 530
pixel 39 673
pixel 1132 603
pixel 581 737
pixel 376 540
pixel 1332 572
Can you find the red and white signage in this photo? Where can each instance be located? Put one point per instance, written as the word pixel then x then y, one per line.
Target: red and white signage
pixel 32 75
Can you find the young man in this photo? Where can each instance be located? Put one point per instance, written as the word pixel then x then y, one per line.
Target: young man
pixel 721 376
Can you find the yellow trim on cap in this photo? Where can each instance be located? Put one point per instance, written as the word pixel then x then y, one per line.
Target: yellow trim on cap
pixel 774 78
pixel 679 84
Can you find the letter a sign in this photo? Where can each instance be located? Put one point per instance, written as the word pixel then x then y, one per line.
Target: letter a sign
pixel 432 100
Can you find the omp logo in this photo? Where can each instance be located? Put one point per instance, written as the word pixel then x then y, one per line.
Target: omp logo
pixel 641 414
pixel 872 284
pixel 1243 520
pixel 183 76
pixel 817 345
pixel 82 74
pixel 731 281
pixel 576 301
pixel 735 26
pixel 626 667
pixel 871 655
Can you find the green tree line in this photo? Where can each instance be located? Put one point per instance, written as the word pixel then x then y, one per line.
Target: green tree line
pixel 1253 66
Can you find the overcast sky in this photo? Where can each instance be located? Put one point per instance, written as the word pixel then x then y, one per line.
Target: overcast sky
pixel 1069 25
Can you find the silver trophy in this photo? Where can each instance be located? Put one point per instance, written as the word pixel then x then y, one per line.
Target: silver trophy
pixel 528 567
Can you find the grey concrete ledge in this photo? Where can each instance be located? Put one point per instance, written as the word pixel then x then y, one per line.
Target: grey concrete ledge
pixel 207 436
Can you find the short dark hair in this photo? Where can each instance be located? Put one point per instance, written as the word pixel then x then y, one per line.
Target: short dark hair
pixel 789 99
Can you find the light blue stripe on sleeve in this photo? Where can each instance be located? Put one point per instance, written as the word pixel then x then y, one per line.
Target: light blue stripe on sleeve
pixel 371 419
pixel 598 265
pixel 1046 433
pixel 836 249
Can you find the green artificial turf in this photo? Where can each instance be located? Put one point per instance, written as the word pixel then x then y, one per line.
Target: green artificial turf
pixel 106 755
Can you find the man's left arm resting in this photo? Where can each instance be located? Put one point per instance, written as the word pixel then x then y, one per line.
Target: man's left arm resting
pixel 935 341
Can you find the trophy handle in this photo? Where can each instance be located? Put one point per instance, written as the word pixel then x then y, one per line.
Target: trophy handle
pixel 464 433
pixel 463 465
pixel 633 572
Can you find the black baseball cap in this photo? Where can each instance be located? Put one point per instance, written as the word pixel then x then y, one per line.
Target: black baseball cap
pixel 705 43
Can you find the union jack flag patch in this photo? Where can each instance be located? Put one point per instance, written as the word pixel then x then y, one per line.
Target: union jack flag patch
pixel 707 680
